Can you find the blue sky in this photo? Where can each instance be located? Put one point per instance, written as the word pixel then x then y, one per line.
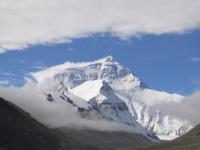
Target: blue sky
pixel 167 62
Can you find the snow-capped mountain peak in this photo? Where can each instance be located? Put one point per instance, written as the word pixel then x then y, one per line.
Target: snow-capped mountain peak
pixel 108 86
pixel 74 74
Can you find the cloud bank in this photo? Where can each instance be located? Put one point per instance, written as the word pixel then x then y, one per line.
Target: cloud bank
pixel 58 113
pixel 29 22
pixel 188 109
pixel 62 114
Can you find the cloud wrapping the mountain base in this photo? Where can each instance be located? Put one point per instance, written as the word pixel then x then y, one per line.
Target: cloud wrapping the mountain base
pixel 30 22
pixel 58 113
pixel 188 109
pixel 62 114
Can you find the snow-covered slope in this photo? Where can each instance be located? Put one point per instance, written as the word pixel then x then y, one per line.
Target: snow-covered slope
pixel 104 99
pixel 116 92
pixel 144 105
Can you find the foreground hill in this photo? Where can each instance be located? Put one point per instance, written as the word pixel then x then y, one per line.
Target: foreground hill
pixel 103 140
pixel 189 141
pixel 19 131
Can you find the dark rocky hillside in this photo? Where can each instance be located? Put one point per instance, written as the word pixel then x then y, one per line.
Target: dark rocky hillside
pixel 105 140
pixel 19 131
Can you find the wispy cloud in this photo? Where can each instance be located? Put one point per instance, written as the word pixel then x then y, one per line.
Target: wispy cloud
pixel 18 60
pixel 188 108
pixel 29 22
pixel 70 49
pixel 39 65
pixel 8 74
pixel 195 59
pixel 59 113
pixel 4 82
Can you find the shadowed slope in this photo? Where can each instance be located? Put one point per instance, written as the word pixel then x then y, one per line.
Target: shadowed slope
pixel 19 131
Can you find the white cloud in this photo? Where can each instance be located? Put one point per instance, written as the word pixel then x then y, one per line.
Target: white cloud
pixel 188 109
pixel 27 22
pixel 4 82
pixel 195 59
pixel 57 113
pixel 70 49
pixel 39 65
pixel 8 74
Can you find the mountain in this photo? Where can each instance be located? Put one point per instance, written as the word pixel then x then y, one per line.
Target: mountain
pixel 20 131
pixel 115 92
pixel 189 141
pixel 106 107
pixel 103 98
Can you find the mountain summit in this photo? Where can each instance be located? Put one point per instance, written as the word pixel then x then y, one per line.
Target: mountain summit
pixel 115 92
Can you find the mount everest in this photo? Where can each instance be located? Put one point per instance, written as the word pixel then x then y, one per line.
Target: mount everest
pixel 113 91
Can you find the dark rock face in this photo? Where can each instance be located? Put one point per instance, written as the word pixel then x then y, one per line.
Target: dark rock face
pixel 19 131
pixel 105 87
pixel 50 98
